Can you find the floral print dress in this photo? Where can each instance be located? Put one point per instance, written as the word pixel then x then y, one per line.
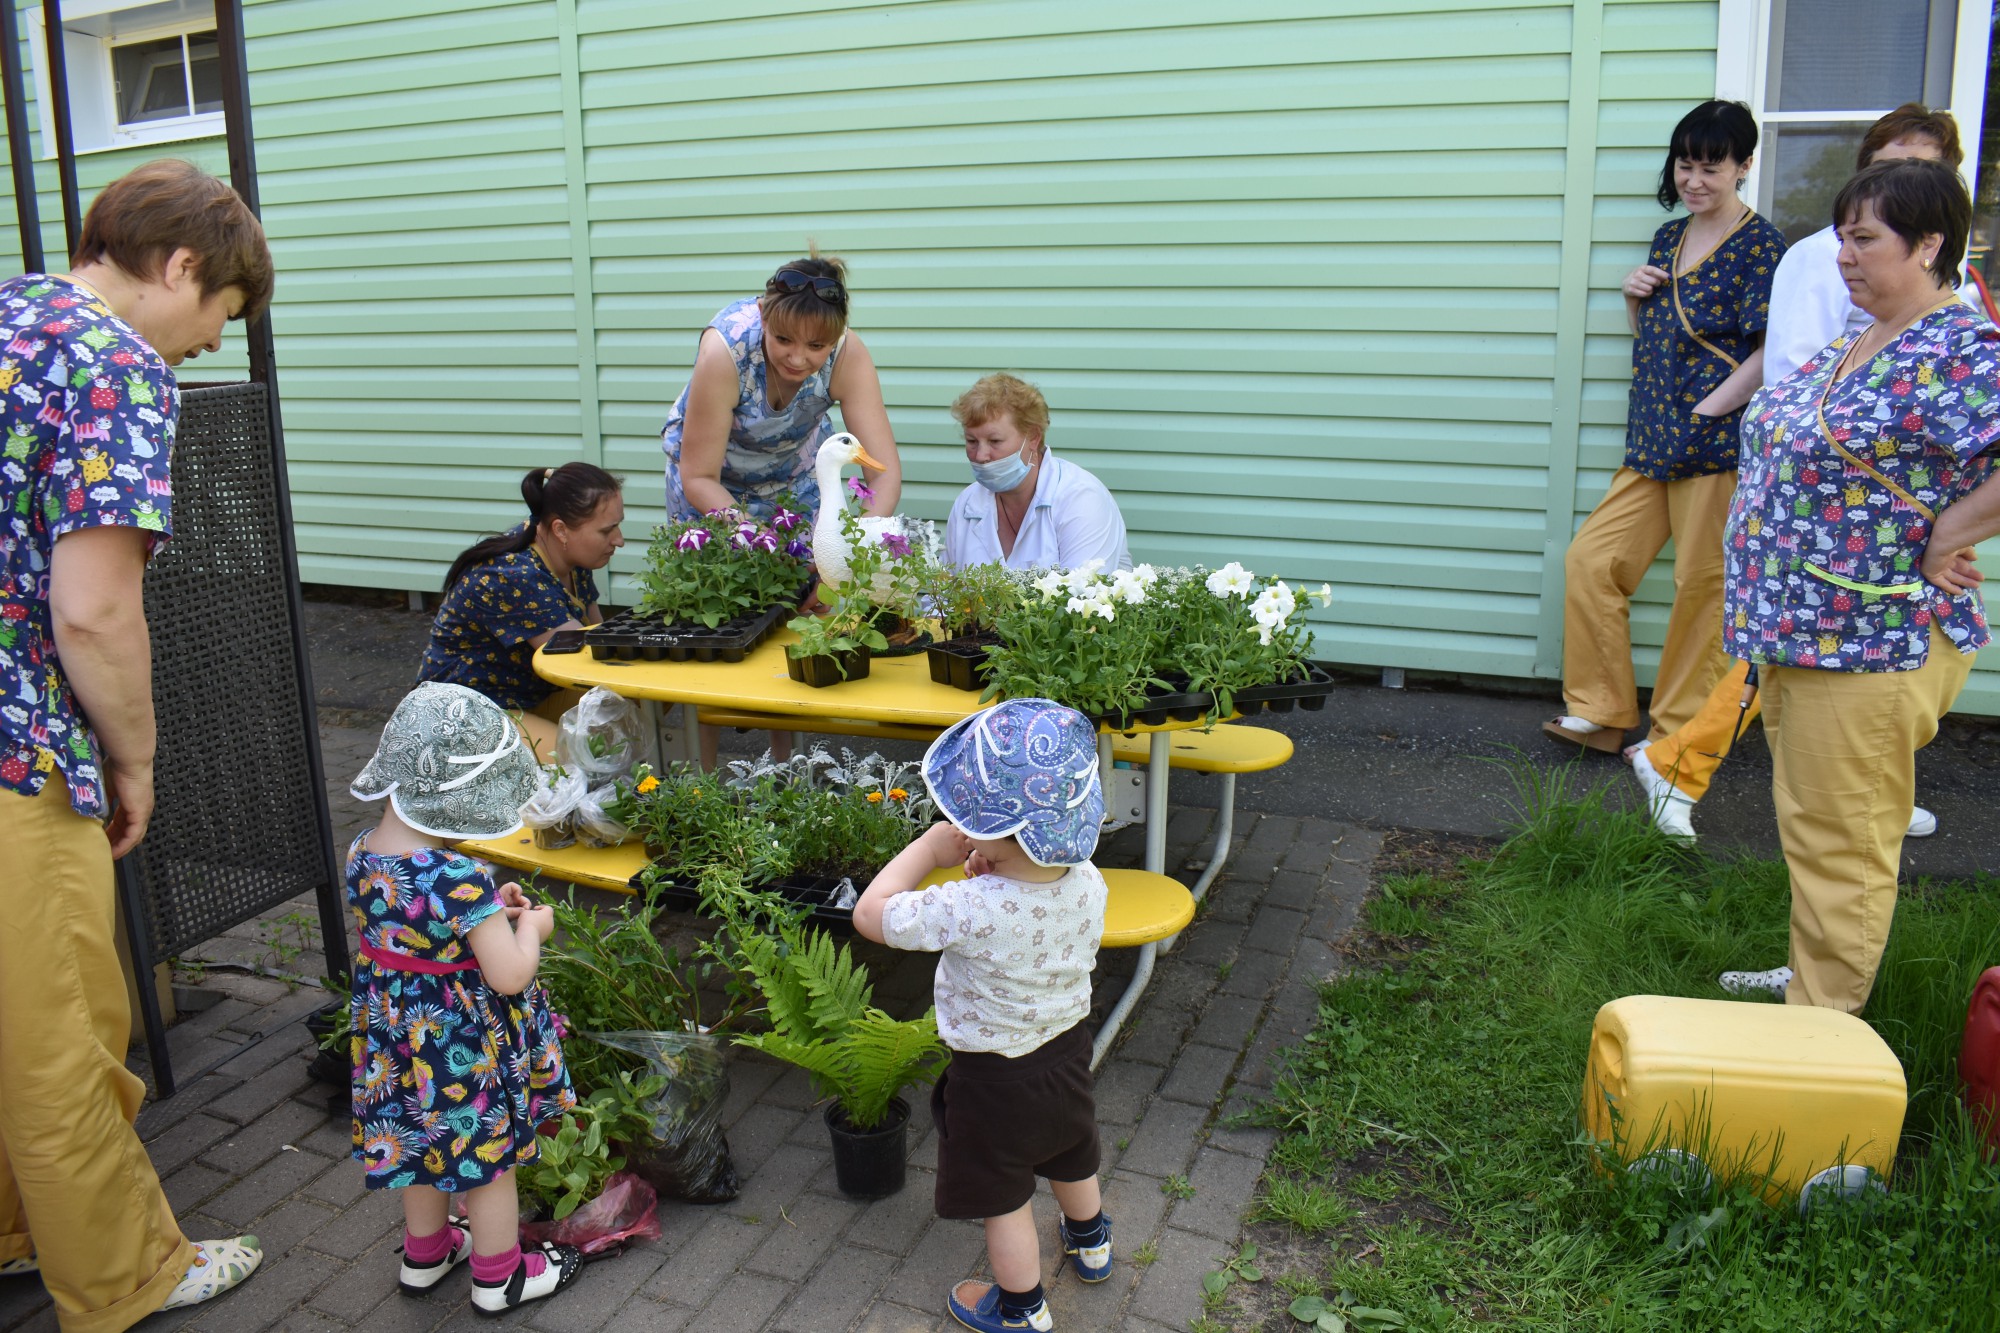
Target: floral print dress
pixel 451 1077
pixel 1823 555
pixel 769 458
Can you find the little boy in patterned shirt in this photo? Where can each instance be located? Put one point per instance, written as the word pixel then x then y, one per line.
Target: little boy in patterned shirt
pixel 1017 938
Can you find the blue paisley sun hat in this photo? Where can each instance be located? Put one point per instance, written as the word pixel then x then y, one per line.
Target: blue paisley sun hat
pixel 1026 768
pixel 452 764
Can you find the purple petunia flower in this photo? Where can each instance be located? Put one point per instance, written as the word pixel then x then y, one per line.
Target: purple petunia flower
pixel 692 540
pixel 785 520
pixel 797 549
pixel 860 489
pixel 896 544
pixel 765 541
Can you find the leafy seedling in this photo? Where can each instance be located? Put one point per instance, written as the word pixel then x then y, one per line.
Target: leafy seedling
pixel 1177 1187
pixel 1243 1268
pixel 1341 1314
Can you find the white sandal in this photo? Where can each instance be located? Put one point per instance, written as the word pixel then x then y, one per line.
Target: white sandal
pixel 1771 983
pixel 218 1266
pixel 561 1264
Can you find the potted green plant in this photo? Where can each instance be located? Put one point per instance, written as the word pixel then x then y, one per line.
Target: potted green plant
pixel 817 1000
pixel 835 644
pixel 1082 640
pixel 332 1029
pixel 1237 632
pixel 967 600
pixel 722 567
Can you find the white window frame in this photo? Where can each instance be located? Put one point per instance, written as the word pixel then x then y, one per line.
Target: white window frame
pixel 93 84
pixel 1743 71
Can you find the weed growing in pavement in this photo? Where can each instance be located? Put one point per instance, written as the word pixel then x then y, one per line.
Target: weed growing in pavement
pixel 1462 1058
pixel 1146 1253
pixel 1177 1187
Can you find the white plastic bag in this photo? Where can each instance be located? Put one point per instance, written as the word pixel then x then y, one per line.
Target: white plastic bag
pixel 595 828
pixel 599 737
pixel 551 812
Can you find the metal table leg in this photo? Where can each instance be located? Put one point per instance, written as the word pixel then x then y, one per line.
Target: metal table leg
pixel 1158 767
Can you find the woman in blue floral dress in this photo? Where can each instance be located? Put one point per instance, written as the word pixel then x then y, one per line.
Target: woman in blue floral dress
pixel 1867 481
pixel 746 430
pixel 457 1059
pixel 1698 308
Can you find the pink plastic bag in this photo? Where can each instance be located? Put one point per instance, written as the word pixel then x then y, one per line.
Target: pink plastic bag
pixel 627 1210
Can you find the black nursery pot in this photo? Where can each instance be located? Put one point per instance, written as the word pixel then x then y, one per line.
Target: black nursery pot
pixel 826 669
pixel 868 1164
pixel 326 1066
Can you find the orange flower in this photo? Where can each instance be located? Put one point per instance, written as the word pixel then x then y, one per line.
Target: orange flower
pixel 898 794
pixel 874 798
pixel 647 784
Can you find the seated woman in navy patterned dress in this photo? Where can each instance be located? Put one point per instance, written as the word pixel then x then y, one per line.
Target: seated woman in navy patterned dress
pixel 506 595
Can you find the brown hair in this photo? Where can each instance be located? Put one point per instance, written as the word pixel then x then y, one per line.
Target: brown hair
pixel 1915 198
pixel 571 493
pixel 139 220
pixel 1907 121
pixel 809 312
pixel 1005 395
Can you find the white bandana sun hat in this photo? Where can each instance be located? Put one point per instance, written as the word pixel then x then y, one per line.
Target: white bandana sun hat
pixel 452 764
pixel 1026 768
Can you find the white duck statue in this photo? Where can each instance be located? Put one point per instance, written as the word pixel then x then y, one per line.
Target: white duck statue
pixel 829 544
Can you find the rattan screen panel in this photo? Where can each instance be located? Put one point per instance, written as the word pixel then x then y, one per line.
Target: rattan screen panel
pixel 234 831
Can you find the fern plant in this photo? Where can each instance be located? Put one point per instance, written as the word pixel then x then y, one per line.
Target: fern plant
pixel 817 998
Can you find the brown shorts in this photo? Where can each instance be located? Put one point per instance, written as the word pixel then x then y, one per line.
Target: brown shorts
pixel 1003 1121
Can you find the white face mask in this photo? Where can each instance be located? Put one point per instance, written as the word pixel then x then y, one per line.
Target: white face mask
pixel 1003 474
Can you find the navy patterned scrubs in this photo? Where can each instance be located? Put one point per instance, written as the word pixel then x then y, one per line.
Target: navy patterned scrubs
pixel 480 638
pixel 1727 300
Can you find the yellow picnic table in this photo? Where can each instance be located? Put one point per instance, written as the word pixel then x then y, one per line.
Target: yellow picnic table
pixel 897 690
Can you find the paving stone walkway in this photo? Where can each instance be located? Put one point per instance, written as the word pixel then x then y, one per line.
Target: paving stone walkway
pixel 256 1145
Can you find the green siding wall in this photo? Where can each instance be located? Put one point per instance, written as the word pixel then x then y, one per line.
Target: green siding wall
pixel 1329 289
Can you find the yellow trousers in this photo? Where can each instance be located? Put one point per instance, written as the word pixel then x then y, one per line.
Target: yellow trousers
pixel 1689 757
pixel 1606 559
pixel 1844 776
pixel 76 1188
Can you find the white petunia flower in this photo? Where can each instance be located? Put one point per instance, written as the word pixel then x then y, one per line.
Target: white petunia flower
pixel 1146 575
pixel 1232 580
pixel 1128 587
pixel 1051 583
pixel 1324 596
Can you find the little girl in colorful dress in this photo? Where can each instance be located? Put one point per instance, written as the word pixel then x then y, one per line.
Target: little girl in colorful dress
pixel 456 1056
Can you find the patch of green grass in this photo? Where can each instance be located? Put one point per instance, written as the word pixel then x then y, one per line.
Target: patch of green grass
pixel 1467 1059
pixel 1309 1207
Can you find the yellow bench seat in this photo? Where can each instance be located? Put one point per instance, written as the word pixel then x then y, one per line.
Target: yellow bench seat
pixel 1142 907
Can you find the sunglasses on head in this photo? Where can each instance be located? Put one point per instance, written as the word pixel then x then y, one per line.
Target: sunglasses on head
pixel 791 281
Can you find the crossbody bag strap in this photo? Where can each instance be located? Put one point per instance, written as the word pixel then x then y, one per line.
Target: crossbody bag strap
pixel 1819 410
pixel 1674 282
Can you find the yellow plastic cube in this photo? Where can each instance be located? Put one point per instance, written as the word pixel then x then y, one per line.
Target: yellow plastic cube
pixel 1750 1089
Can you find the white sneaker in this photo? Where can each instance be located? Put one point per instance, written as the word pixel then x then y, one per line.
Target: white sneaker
pixel 218 1266
pixel 1922 823
pixel 563 1263
pixel 1770 983
pixel 1670 807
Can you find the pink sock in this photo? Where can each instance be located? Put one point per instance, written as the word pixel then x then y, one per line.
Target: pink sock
pixel 492 1268
pixel 429 1249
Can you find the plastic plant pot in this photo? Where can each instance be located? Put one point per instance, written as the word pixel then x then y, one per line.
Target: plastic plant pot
pixel 868 1163
pixel 828 668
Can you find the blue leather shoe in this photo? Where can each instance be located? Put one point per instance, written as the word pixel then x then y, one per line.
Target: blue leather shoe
pixel 984 1313
pixel 1091 1262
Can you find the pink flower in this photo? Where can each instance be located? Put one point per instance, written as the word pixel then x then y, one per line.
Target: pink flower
pixel 860 489
pixel 896 544
pixel 692 540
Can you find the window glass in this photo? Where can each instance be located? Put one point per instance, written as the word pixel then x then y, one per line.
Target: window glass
pixel 1825 68
pixel 1808 164
pixel 205 66
pixel 151 80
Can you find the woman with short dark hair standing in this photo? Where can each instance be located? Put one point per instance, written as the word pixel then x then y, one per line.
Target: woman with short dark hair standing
pixel 1867 481
pixel 506 595
pixel 1697 308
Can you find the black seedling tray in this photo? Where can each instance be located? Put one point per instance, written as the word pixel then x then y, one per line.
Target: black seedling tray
pixel 961 663
pixel 628 637
pixel 1160 707
pixel 815 889
pixel 1308 692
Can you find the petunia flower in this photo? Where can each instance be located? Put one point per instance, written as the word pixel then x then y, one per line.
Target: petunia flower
pixel 896 544
pixel 1232 580
pixel 1324 594
pixel 1051 583
pixel 785 520
pixel 765 540
pixel 692 540
pixel 1128 587
pixel 860 489
pixel 797 549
